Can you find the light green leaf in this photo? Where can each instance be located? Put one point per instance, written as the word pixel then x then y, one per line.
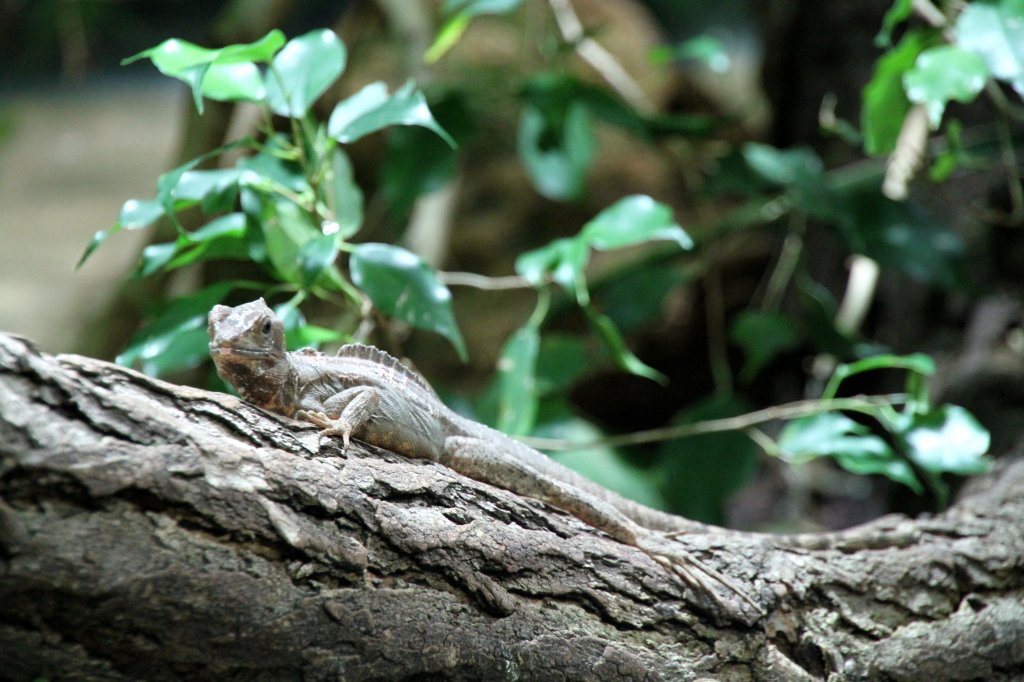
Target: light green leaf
pixel 563 259
pixel 706 49
pixel 224 74
pixel 995 30
pixel 474 8
pixel 403 286
pixel 303 70
pixel 286 229
pixel 851 444
pixel 944 73
pixel 949 440
pixel 885 101
pixel 344 198
pixel 372 109
pixel 896 15
pixel 634 220
pixel 517 382
pixel 557 153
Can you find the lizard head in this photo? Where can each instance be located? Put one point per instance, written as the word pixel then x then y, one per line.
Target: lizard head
pixel 247 346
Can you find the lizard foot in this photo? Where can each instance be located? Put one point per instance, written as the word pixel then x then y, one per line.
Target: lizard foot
pixel 704 580
pixel 329 427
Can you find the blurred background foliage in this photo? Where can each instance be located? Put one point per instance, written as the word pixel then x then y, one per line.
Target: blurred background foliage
pixel 654 216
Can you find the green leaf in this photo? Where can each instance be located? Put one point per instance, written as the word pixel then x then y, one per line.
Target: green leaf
pixel 945 73
pixel 561 360
pixel 315 256
pixel 763 336
pixel 402 286
pixel 614 342
pixel 517 382
pixel 851 444
pixel 896 15
pixel 216 190
pixel 303 70
pixel 948 440
pixel 902 236
pixel 800 170
pixel 474 8
pixel 177 338
pixel 372 109
pixel 634 220
pixel 885 101
pixel 224 74
pixel 601 464
pixel 563 259
pixel 995 30
pixel 636 296
pixel 223 237
pixel 556 152
pixel 154 257
pixel 917 363
pixel 418 162
pixel 286 230
pixel 700 473
pixel 706 49
pixel 345 199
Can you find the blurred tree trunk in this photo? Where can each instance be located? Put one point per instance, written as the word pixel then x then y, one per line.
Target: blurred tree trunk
pixel 160 532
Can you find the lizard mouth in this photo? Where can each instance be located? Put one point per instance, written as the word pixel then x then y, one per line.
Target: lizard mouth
pixel 229 351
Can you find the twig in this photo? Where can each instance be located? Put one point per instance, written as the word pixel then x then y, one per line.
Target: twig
pixel 597 56
pixel 472 279
pixel 799 408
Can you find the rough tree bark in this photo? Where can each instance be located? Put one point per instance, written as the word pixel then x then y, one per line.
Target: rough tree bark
pixel 160 532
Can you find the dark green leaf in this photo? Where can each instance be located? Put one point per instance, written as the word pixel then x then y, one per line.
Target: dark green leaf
pixel 948 440
pixel 600 464
pixel 517 382
pixel 945 73
pixel 417 162
pixel 177 339
pixel 995 30
pixel 700 473
pixel 763 336
pixel 556 152
pixel 303 70
pixel 614 342
pixel 636 296
pixel 561 360
pixel 634 220
pixel 402 286
pixel 268 164
pixel 215 189
pixel 372 109
pixel 901 236
pixel 315 256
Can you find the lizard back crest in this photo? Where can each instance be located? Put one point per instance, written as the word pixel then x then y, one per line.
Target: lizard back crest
pixel 358 351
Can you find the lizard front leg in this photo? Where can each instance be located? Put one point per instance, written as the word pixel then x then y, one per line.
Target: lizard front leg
pixel 343 413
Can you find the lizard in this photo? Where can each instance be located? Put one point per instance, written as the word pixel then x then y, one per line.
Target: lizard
pixel 363 392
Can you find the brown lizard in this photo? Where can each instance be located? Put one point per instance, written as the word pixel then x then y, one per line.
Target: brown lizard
pixel 364 393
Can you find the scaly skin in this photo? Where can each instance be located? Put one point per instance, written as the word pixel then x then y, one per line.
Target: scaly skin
pixel 364 393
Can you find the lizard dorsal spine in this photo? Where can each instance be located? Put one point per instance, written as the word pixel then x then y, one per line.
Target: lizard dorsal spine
pixel 357 351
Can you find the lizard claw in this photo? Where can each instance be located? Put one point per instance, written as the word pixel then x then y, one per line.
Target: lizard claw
pixel 329 427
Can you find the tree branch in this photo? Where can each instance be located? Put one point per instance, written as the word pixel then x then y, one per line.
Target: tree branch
pixel 162 532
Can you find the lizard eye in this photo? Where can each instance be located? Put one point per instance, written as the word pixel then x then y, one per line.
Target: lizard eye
pixel 266 328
